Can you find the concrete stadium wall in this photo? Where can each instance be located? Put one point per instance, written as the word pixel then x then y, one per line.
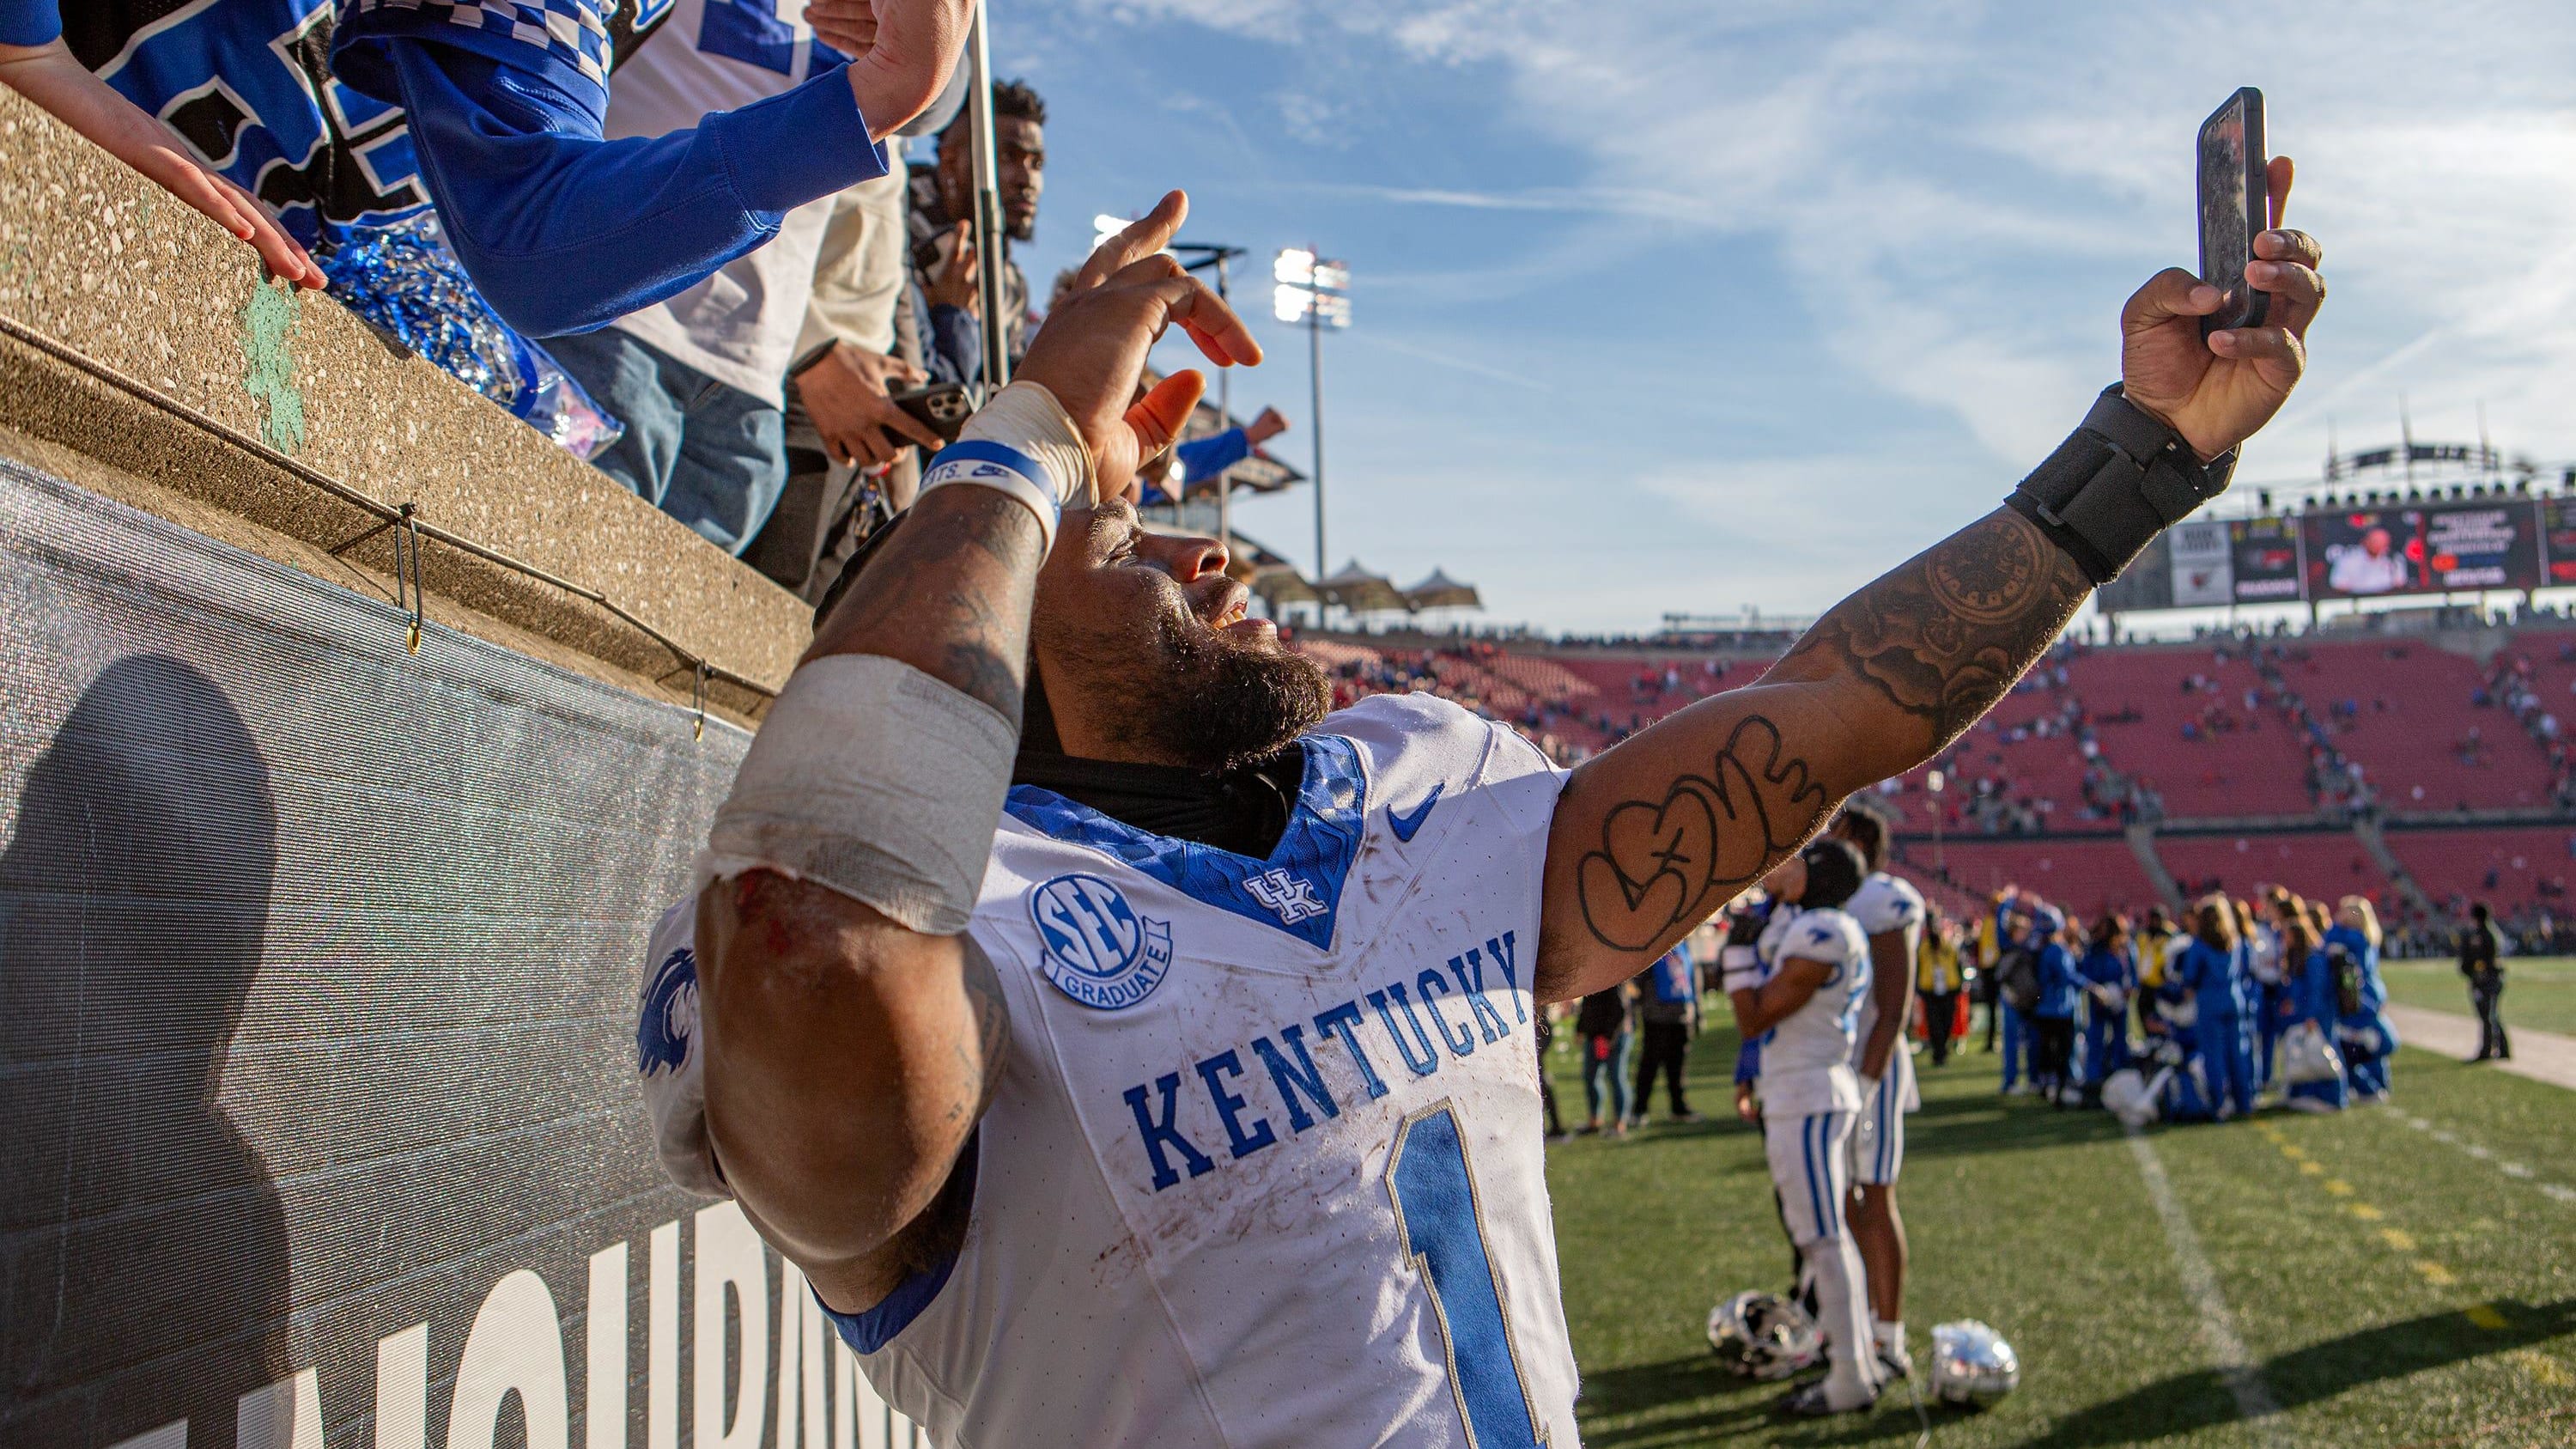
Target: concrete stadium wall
pixel 318 952
pixel 97 258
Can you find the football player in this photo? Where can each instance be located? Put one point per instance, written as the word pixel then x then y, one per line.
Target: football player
pixel 1126 1051
pixel 1890 912
pixel 1799 1009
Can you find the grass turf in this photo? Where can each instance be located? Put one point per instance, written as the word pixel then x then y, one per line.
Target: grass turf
pixel 2394 1290
pixel 2539 991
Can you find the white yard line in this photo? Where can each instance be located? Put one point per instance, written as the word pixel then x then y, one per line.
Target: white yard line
pixel 2226 1348
pixel 2557 1191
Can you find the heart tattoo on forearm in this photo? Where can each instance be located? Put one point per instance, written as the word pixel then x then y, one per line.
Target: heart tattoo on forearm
pixel 1661 865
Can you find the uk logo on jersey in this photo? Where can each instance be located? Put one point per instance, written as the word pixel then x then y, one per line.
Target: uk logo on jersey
pixel 1291 895
pixel 1098 950
pixel 670 1015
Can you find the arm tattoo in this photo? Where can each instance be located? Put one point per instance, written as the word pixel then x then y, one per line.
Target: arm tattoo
pixel 1945 636
pixel 939 581
pixel 1941 638
pixel 1661 865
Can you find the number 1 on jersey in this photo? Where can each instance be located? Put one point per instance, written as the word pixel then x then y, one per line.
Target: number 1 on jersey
pixel 1444 1237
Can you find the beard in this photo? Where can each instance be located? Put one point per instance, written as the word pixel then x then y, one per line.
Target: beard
pixel 1204 700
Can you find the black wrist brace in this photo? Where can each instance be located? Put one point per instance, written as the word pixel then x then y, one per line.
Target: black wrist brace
pixel 2115 483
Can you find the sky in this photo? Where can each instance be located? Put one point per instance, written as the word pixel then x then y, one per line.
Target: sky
pixel 1679 306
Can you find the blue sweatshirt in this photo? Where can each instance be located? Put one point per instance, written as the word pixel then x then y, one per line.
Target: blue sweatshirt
pixel 2215 978
pixel 1203 458
pixel 2103 966
pixel 563 230
pixel 29 22
pixel 2312 989
pixel 2059 987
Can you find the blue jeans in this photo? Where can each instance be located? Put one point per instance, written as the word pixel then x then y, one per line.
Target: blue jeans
pixel 704 452
pixel 2017 1043
pixel 1606 1057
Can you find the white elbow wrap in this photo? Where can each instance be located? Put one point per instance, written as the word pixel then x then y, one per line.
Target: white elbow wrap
pixel 873 779
pixel 1022 443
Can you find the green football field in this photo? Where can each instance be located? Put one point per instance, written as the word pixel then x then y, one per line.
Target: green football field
pixel 2397 1276
pixel 2539 991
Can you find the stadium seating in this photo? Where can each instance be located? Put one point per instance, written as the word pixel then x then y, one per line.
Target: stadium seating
pixel 2082 875
pixel 1948 899
pixel 2328 865
pixel 1336 654
pixel 2505 867
pixel 2259 768
pixel 2414 704
pixel 2413 712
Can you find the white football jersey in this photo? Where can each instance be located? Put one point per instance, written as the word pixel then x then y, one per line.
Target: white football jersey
pixel 1804 1060
pixel 1884 903
pixel 1264 1165
pixel 1887 903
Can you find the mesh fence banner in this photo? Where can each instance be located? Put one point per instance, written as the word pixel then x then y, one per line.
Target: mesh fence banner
pixel 317 974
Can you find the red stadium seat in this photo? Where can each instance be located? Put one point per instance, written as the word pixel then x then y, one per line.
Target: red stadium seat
pixel 2316 864
pixel 2507 867
pixel 2082 876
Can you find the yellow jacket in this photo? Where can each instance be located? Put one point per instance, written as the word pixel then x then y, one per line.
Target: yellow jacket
pixel 2152 951
pixel 1936 970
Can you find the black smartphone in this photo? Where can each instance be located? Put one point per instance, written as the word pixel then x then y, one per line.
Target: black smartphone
pixel 2235 207
pixel 942 407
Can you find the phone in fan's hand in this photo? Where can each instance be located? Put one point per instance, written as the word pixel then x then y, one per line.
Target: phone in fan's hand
pixel 942 407
pixel 2235 202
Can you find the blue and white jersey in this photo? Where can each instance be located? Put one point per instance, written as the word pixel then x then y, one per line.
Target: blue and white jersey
pixel 1887 903
pixel 1264 1165
pixel 572 43
pixel 248 83
pixel 1806 1056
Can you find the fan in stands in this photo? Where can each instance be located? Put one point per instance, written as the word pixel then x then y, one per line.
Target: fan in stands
pixel 2421 772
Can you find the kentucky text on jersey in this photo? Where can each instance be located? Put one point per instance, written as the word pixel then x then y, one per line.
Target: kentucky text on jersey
pixel 1392 1019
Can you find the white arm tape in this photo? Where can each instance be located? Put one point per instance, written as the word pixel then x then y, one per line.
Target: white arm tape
pixel 872 779
pixel 1024 444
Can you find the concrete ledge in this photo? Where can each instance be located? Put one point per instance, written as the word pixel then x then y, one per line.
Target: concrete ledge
pixel 99 259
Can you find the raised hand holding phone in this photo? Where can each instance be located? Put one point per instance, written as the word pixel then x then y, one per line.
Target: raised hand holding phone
pixel 2235 193
pixel 2217 383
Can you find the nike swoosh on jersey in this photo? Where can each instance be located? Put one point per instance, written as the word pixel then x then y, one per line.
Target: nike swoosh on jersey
pixel 1405 826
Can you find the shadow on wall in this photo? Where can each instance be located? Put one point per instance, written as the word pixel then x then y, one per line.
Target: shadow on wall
pixel 142 1247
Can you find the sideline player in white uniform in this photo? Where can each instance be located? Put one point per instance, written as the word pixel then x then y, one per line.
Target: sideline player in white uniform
pixel 1181 1098
pixel 1890 912
pixel 1799 1010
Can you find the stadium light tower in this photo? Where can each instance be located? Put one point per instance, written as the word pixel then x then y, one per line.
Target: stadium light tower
pixel 1317 292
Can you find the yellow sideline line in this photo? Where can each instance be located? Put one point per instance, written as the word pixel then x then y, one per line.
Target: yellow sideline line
pixel 2535 1365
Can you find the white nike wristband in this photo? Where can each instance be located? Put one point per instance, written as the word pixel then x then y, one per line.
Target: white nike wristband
pixel 1022 443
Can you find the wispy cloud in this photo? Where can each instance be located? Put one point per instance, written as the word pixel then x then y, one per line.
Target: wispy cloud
pixel 1450 360
pixel 1951 200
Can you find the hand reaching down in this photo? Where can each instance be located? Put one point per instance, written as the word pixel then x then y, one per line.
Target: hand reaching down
pixel 49 75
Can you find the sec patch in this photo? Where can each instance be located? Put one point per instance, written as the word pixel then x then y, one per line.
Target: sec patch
pixel 1096 948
